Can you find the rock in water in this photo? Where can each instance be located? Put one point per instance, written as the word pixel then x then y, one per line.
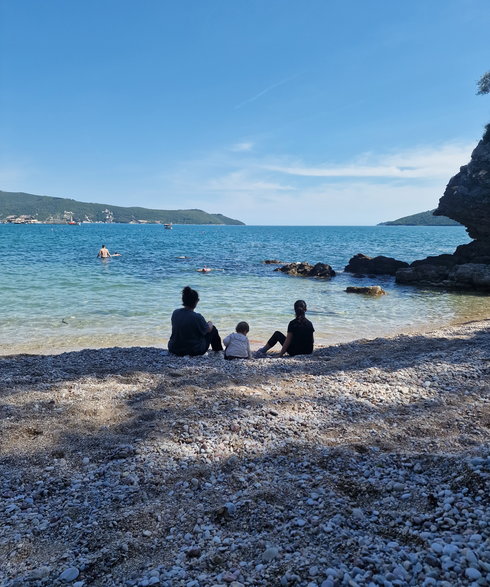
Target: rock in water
pixel 464 276
pixel 322 270
pixel 423 274
pixel 374 265
pixel 307 270
pixel 370 290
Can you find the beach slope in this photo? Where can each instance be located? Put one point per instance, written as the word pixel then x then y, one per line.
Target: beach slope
pixel 367 461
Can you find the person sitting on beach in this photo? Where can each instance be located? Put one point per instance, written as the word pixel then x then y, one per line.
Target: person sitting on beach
pixel 237 345
pixel 191 334
pixel 299 339
pixel 103 253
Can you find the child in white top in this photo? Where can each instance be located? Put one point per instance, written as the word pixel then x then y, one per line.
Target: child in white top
pixel 237 345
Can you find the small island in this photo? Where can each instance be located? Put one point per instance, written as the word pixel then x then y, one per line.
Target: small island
pixel 422 219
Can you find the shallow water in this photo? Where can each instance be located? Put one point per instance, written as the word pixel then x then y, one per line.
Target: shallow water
pixel 56 295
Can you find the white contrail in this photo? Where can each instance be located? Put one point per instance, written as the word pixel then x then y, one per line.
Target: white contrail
pixel 268 89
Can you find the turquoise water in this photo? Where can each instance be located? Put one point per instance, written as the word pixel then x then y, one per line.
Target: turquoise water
pixel 56 295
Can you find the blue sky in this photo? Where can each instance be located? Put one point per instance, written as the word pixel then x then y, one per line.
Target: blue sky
pixel 270 111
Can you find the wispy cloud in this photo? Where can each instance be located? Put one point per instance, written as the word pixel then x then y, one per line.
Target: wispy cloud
pixel 423 162
pixel 279 189
pixel 265 91
pixel 242 147
pixel 240 181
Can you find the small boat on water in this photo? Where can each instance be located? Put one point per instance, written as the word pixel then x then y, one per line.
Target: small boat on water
pixel 73 223
pixel 168 226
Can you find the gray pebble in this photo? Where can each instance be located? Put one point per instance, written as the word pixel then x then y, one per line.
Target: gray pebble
pixel 69 574
pixel 472 574
pixel 270 554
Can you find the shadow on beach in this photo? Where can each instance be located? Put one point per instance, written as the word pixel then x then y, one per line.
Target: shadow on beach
pixel 118 449
pixel 155 386
pixel 390 353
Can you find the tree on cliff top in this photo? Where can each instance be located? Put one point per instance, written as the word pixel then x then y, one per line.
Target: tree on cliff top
pixel 484 84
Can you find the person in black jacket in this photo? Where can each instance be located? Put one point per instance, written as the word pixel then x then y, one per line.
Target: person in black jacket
pixel 299 339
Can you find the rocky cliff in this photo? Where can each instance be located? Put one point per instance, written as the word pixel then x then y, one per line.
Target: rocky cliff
pixel 467 195
pixel 466 200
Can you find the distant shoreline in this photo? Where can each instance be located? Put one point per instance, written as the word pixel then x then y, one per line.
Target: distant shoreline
pixel 381 224
pixel 32 207
pixel 99 222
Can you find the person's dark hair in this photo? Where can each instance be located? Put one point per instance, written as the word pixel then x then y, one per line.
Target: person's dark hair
pixel 242 327
pixel 103 246
pixel 300 309
pixel 190 297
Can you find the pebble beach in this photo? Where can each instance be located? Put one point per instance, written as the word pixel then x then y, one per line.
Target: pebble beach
pixel 366 463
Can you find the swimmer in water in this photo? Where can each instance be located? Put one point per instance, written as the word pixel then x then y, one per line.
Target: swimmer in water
pixel 103 253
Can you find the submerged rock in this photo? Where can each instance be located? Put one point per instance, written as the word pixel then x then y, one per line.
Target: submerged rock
pixel 362 264
pixel 370 290
pixel 306 270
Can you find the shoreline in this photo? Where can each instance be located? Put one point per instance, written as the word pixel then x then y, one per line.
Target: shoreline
pixel 127 466
pixel 255 342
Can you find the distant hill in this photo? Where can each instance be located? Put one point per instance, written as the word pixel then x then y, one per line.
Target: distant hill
pixel 49 209
pixel 422 219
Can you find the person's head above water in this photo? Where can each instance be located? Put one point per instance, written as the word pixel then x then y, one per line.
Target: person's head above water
pixel 300 309
pixel 190 297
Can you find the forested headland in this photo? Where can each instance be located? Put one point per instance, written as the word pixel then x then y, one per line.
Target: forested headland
pixel 14 205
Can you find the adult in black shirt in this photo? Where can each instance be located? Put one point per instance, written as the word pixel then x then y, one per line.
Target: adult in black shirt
pixel 299 339
pixel 191 334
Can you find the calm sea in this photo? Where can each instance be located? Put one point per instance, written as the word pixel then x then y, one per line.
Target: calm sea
pixel 56 295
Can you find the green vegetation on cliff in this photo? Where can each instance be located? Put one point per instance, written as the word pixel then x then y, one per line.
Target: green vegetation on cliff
pixel 48 209
pixel 422 219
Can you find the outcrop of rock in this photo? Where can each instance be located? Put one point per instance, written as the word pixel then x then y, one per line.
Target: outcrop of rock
pixel 362 264
pixel 306 270
pixel 465 276
pixel 273 262
pixel 466 200
pixel 370 290
pixel 467 195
